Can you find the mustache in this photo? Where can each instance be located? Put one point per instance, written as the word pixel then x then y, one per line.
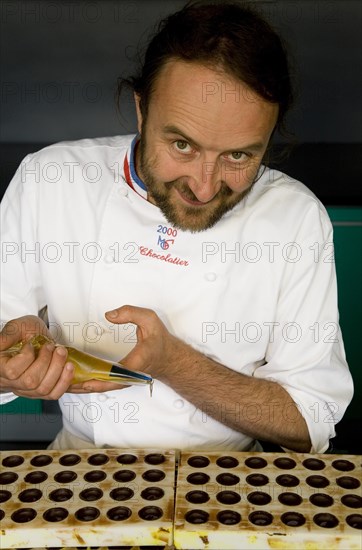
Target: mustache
pixel 184 188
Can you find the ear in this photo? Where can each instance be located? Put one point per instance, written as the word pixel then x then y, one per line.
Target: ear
pixel 137 100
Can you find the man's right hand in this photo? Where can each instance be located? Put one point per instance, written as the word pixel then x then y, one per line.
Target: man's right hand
pixel 45 375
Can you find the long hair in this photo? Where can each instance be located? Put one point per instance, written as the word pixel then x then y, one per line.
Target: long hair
pixel 228 36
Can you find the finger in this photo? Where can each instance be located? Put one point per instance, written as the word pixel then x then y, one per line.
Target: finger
pixel 63 384
pixel 10 334
pixel 28 369
pixel 22 328
pixel 33 326
pixel 60 388
pixel 44 373
pixel 13 367
pixel 132 314
pixel 96 386
pixel 55 376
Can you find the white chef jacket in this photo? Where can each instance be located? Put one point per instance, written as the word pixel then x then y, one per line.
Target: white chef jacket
pixel 257 293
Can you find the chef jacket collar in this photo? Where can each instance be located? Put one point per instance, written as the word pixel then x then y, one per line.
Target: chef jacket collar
pixel 130 173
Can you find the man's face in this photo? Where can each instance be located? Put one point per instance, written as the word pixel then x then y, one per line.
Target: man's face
pixel 201 144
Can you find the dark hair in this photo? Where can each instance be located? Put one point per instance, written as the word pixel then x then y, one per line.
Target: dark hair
pixel 229 36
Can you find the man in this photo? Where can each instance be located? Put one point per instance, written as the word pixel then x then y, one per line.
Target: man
pixel 178 251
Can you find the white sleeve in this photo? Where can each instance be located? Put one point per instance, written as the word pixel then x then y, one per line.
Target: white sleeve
pixel 21 289
pixel 7 397
pixel 305 353
pixel 21 286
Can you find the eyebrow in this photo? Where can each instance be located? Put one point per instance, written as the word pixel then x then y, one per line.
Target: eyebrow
pixel 170 129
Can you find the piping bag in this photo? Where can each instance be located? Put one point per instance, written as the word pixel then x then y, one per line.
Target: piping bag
pixel 87 366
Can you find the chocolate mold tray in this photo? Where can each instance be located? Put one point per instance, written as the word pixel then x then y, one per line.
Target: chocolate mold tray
pixel 268 500
pixel 125 498
pixel 84 498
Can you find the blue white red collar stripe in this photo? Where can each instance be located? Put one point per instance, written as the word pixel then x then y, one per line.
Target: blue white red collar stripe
pixel 130 171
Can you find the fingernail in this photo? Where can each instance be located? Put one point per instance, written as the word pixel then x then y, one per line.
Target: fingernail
pixel 50 347
pixel 112 314
pixel 69 366
pixel 61 351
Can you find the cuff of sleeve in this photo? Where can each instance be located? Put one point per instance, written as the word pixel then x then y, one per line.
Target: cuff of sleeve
pixel 319 420
pixel 7 397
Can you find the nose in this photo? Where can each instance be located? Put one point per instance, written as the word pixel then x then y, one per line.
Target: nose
pixel 206 180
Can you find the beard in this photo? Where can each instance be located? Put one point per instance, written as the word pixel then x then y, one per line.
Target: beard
pixel 178 214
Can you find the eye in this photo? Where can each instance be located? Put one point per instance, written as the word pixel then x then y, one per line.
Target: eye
pixel 182 146
pixel 237 156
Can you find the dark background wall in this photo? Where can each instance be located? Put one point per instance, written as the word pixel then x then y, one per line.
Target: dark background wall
pixel 61 59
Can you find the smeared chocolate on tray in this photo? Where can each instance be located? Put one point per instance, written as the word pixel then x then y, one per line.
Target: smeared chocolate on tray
pixel 144 499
